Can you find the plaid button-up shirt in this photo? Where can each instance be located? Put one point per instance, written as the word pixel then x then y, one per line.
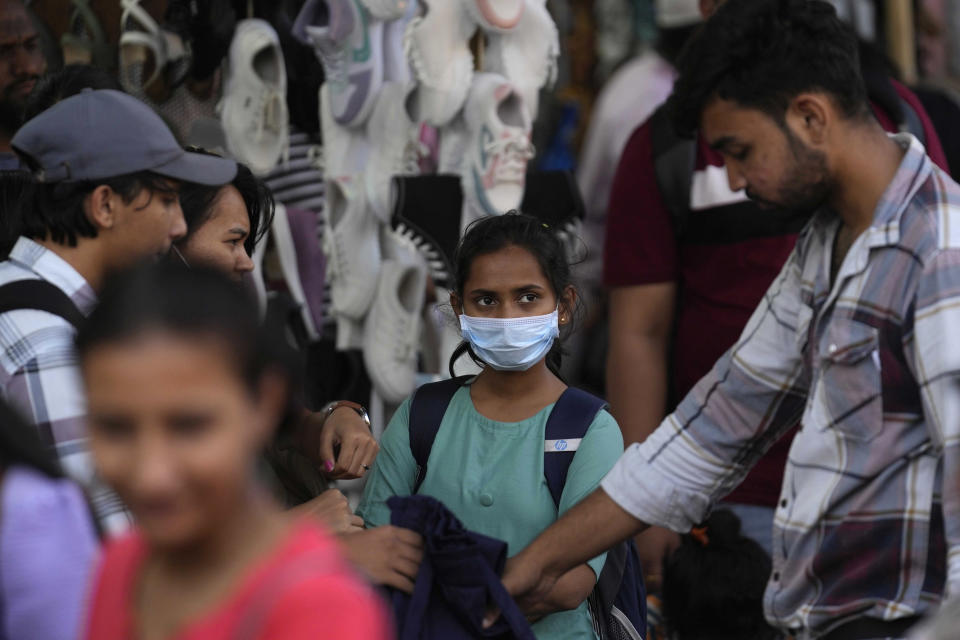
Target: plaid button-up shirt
pixel 40 375
pixel 868 524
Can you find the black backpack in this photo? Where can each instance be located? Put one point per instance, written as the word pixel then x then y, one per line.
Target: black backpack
pixel 618 604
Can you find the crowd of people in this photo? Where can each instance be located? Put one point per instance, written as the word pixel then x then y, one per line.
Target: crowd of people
pixel 780 456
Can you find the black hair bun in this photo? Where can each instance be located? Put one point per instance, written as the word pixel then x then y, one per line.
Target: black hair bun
pixel 723 528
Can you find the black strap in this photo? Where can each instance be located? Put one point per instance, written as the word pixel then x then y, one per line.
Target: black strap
pixel 674 160
pixel 39 295
pixel 427 407
pixel 570 418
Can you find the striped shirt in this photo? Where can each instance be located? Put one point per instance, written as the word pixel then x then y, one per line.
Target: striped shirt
pixel 40 375
pixel 870 366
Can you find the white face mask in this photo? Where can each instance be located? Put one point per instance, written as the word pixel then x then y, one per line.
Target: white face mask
pixel 510 344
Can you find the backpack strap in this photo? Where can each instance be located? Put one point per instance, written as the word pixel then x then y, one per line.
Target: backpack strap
pixel 569 420
pixel 427 407
pixel 39 295
pixel 674 159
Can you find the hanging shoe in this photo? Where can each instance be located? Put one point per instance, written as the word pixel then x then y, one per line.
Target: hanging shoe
pixel 395 65
pixel 345 151
pixel 85 42
pixel 152 61
pixel 495 15
pixel 395 147
pixel 527 54
pixel 392 329
pixel 349 43
pixel 494 165
pixel 296 264
pixel 352 247
pixel 388 9
pixel 437 47
pixel 254 107
pixel 427 211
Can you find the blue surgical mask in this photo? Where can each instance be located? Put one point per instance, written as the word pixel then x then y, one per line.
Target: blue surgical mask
pixel 510 344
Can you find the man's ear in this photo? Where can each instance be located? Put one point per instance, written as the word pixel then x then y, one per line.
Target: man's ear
pixel 100 207
pixel 809 116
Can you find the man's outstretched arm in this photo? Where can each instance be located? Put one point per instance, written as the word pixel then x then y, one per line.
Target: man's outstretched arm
pixel 585 531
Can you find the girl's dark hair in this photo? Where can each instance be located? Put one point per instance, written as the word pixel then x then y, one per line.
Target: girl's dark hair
pixel 66 82
pixel 198 302
pixel 513 228
pixel 713 585
pixel 197 202
pixel 20 444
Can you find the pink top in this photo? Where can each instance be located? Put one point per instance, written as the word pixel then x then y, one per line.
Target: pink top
pixel 303 589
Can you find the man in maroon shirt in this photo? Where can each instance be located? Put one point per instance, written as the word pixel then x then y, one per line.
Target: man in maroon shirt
pixel 679 298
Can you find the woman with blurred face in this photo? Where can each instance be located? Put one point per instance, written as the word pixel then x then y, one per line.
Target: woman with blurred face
pixel 184 391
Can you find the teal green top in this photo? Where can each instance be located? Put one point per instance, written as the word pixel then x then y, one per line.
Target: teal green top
pixel 490 475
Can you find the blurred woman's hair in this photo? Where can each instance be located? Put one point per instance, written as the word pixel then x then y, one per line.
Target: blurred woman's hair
pixel 713 584
pixel 198 302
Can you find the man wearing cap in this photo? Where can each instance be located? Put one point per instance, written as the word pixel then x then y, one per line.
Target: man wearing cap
pixel 107 171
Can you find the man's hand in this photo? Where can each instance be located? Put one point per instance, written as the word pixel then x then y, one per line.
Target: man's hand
pixel 387 555
pixel 343 427
pixel 654 546
pixel 529 585
pixel 332 508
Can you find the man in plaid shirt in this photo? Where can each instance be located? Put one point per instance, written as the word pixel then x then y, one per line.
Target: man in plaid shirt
pixel 858 340
pixel 108 171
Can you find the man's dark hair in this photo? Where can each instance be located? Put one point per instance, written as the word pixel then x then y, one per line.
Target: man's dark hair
pixel 762 53
pixel 56 211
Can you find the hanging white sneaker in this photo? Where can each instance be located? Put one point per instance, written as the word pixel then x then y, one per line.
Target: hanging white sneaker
pixel 495 15
pixel 352 246
pixel 396 68
pixel 345 151
pixel 348 41
pixel 527 54
pixel 395 147
pixel 254 107
pixel 494 164
pixel 392 329
pixel 437 47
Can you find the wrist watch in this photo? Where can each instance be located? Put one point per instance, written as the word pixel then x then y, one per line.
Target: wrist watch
pixel 330 407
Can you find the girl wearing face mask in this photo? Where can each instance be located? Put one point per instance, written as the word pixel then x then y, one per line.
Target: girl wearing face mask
pixel 515 302
pixel 184 389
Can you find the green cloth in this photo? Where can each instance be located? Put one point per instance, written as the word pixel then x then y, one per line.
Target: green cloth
pixel 490 475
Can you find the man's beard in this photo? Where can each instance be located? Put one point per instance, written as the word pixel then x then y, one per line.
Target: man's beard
pixel 807 186
pixel 12 106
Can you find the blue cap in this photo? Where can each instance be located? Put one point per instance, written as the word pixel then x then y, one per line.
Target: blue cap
pixel 102 134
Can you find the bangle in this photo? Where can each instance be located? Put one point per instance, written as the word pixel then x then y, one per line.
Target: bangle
pixel 336 404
